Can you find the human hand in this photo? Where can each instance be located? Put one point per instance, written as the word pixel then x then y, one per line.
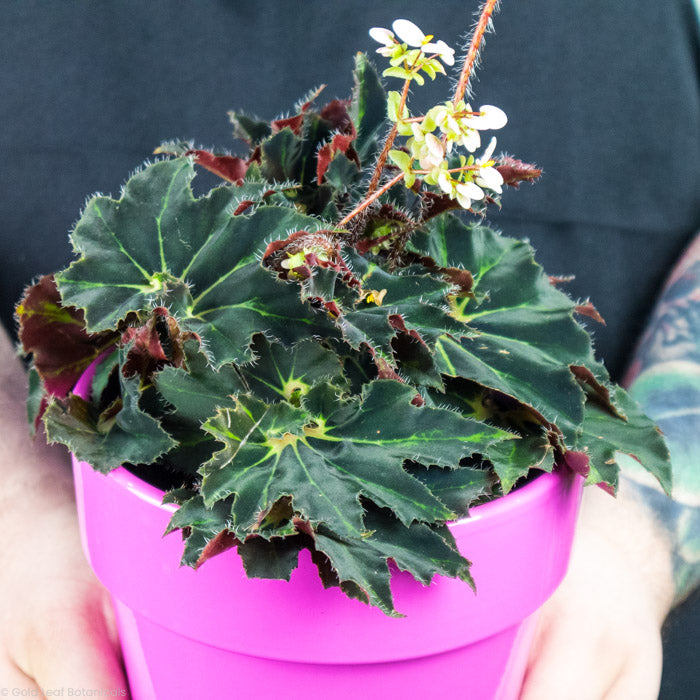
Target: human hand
pixel 599 635
pixel 56 626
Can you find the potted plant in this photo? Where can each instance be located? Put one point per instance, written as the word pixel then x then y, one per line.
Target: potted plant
pixel 321 364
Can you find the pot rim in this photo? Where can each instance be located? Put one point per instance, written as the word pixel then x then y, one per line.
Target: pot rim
pixel 530 529
pixel 484 513
pixel 518 498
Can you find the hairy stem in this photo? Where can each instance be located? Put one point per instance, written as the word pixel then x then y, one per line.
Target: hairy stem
pixel 381 161
pixel 487 9
pixel 371 198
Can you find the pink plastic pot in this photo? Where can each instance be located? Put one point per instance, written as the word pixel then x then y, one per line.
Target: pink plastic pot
pixel 214 633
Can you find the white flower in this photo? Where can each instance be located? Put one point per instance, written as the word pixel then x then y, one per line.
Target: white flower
pixel 406 63
pixel 488 117
pixel 418 133
pixel 385 37
pixel 412 35
pixel 434 152
pixel 445 182
pixel 456 126
pixel 487 176
pixel 408 32
pixel 446 53
pixel 469 139
pixel 486 156
pixel 465 192
pixel 490 178
pixel 427 149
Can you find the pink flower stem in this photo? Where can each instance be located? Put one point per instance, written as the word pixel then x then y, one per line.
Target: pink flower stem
pixel 381 161
pixel 487 9
pixel 371 198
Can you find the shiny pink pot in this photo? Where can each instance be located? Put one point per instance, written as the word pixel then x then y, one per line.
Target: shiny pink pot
pixel 214 633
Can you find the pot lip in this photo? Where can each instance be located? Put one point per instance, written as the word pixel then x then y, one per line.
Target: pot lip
pixel 523 497
pixel 516 499
pixel 550 504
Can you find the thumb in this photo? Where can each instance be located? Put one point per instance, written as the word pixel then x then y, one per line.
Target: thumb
pixel 77 648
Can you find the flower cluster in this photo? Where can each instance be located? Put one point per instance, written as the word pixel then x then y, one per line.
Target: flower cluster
pixel 428 152
pixel 406 63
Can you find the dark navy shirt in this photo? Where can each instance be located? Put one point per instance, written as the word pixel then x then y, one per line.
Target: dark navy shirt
pixel 602 95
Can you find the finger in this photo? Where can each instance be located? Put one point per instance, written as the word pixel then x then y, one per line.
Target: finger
pixel 14 683
pixel 641 678
pixel 77 649
pixel 562 667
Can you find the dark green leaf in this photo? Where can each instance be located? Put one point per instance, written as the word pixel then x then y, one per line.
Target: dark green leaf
pixel 249 129
pixel 282 156
pixel 341 173
pixel 275 558
pixel 361 564
pixel 105 381
pixel 35 399
pixel 330 452
pixel 361 569
pixel 159 243
pixel 513 297
pixel 525 335
pixel 513 460
pixel 458 488
pixel 418 300
pixel 253 193
pixel 202 526
pixel 604 435
pixel 282 374
pixel 415 361
pixel 368 107
pixel 517 370
pixel 132 436
pixel 197 392
pixel 422 550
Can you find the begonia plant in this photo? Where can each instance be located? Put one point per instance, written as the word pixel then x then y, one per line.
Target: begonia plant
pixel 330 350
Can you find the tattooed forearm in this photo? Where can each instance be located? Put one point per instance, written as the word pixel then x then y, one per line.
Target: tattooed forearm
pixel 665 379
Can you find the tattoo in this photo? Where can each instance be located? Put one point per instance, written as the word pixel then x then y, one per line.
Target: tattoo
pixel 665 379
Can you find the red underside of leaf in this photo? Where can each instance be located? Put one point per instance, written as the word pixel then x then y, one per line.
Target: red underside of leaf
pixel 606 487
pixel 340 142
pixel 436 204
pixel 396 321
pixel 514 171
pixel 220 543
pixel 243 206
pixel 336 114
pixel 589 310
pixel 157 343
pixel 294 123
pixel 600 391
pixel 56 337
pixel 577 462
pixel 230 168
